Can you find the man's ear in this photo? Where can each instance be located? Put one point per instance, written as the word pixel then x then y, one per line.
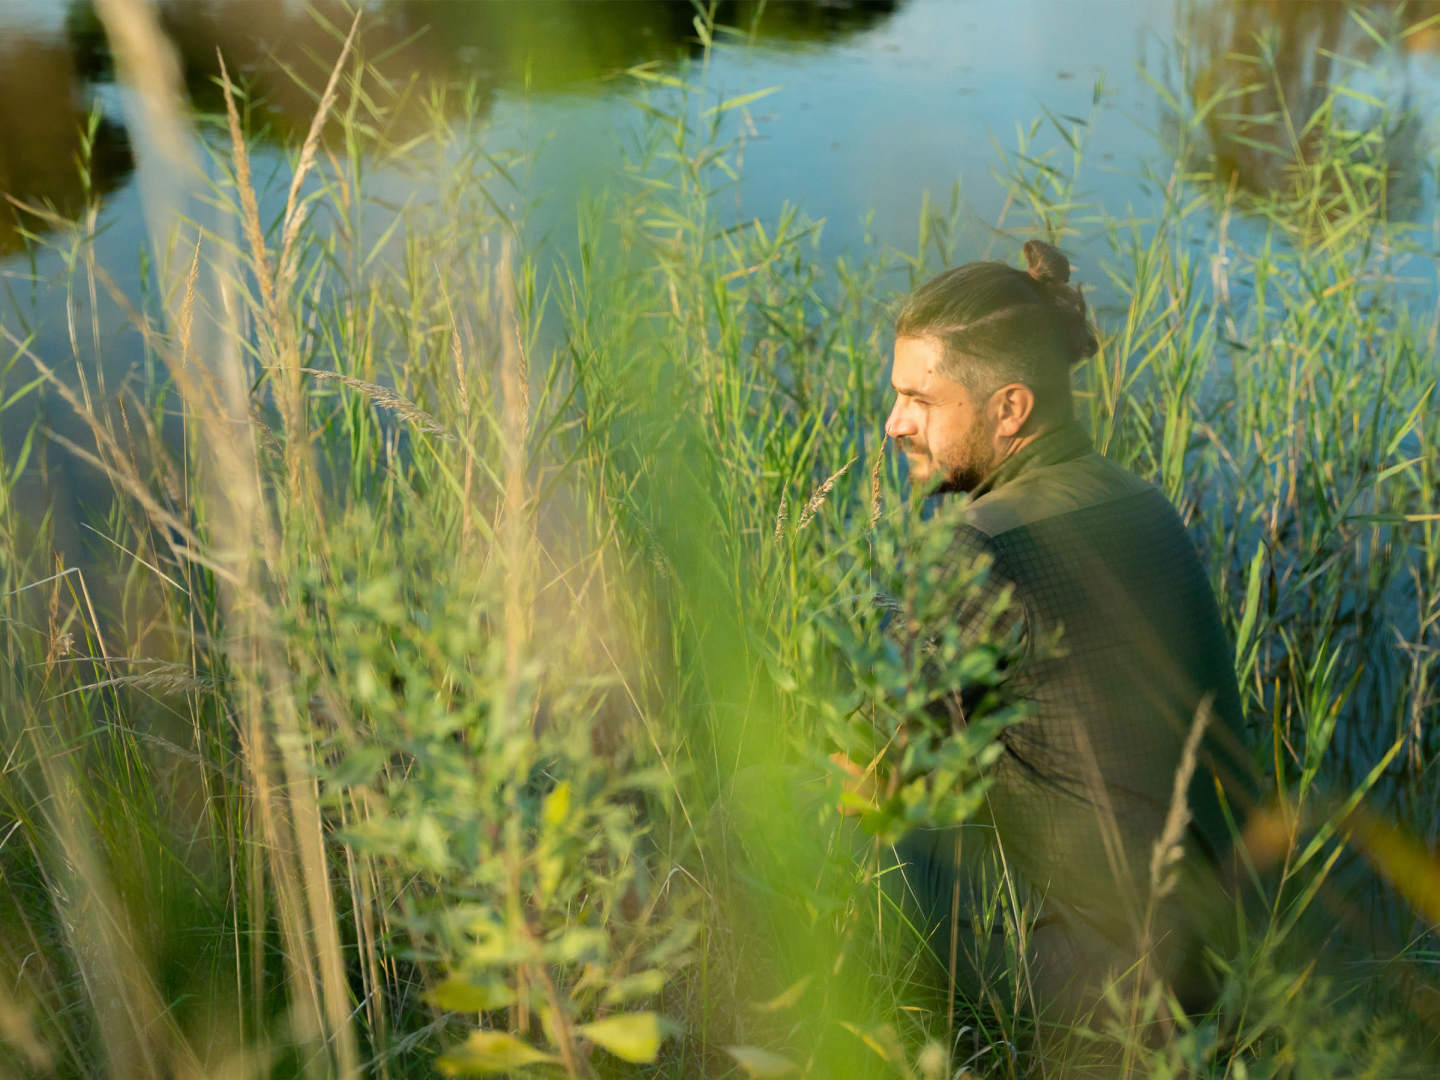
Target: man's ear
pixel 1011 408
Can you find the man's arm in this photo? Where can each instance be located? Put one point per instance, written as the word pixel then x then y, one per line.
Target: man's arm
pixel 989 616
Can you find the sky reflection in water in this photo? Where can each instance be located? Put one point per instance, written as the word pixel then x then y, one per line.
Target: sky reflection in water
pixel 880 100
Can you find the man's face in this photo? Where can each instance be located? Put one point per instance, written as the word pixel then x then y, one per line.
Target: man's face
pixel 938 424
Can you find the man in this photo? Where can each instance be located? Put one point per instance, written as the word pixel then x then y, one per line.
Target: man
pixel 1122 862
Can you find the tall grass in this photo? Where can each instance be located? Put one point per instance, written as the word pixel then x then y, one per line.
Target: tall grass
pixel 455 688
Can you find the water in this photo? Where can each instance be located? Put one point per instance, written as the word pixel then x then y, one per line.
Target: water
pixel 877 104
pixel 880 101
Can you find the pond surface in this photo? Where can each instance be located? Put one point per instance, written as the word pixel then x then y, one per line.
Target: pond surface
pixel 877 103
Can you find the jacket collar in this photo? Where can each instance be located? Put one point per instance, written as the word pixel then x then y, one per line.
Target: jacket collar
pixel 1068 440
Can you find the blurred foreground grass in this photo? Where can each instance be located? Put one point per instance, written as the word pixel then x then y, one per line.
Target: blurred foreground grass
pixel 453 678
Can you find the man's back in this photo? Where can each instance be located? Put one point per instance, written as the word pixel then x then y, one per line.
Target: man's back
pixel 1125 653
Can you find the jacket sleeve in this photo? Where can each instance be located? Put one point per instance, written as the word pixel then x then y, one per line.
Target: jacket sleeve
pixel 988 613
pixel 990 610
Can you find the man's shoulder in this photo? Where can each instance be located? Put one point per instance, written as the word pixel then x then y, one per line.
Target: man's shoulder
pixel 1050 491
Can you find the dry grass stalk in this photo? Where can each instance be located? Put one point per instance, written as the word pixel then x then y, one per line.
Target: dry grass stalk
pixel 216 399
pixel 462 390
pixel 249 206
pixel 159 677
pixel 138 1032
pixel 385 398
pixel 1167 852
pixel 17 1031
pixel 875 503
pixel 516 546
pixel 284 801
pixel 287 388
pixel 185 326
pixel 457 355
pixel 1170 848
pixel 183 541
pixel 515 395
pixel 116 467
pixel 781 515
pixel 275 287
pixel 817 500
pixel 201 392
pixel 294 214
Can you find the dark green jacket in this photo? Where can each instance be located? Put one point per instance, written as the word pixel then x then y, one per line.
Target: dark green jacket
pixel 1099 560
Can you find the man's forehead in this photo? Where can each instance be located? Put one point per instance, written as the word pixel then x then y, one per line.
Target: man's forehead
pixel 916 365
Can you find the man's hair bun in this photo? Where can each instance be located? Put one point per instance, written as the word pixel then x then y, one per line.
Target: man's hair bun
pixel 1048 268
pixel 1046 263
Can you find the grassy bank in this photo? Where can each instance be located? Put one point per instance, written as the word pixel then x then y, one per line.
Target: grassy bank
pixel 451 679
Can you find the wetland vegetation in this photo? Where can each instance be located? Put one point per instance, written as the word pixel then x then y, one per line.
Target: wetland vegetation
pixel 443 665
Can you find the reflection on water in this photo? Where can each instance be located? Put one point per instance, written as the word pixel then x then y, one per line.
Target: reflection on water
pixel 43 130
pixel 1278 61
pixel 278 49
pixel 1275 65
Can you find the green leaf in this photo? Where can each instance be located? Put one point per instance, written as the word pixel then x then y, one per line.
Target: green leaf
pixel 640 984
pixel 461 995
pixel 1252 600
pixel 646 73
pixel 577 944
pixel 359 766
pixel 431 843
pixel 881 1040
pixel 631 1036
pixel 488 1052
pixel 761 1063
pixel 674 943
pixel 557 805
pixel 736 102
pixel 1410 420
pixel 1392 519
pixel 785 998
pixel 1385 474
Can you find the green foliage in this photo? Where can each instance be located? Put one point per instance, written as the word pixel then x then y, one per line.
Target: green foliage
pixel 904 661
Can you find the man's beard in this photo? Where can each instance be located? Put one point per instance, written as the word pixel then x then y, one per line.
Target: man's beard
pixel 973 465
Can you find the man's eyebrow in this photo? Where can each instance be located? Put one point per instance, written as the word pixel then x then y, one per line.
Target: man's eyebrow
pixel 908 392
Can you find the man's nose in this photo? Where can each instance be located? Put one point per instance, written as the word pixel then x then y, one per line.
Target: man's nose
pixel 898 425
